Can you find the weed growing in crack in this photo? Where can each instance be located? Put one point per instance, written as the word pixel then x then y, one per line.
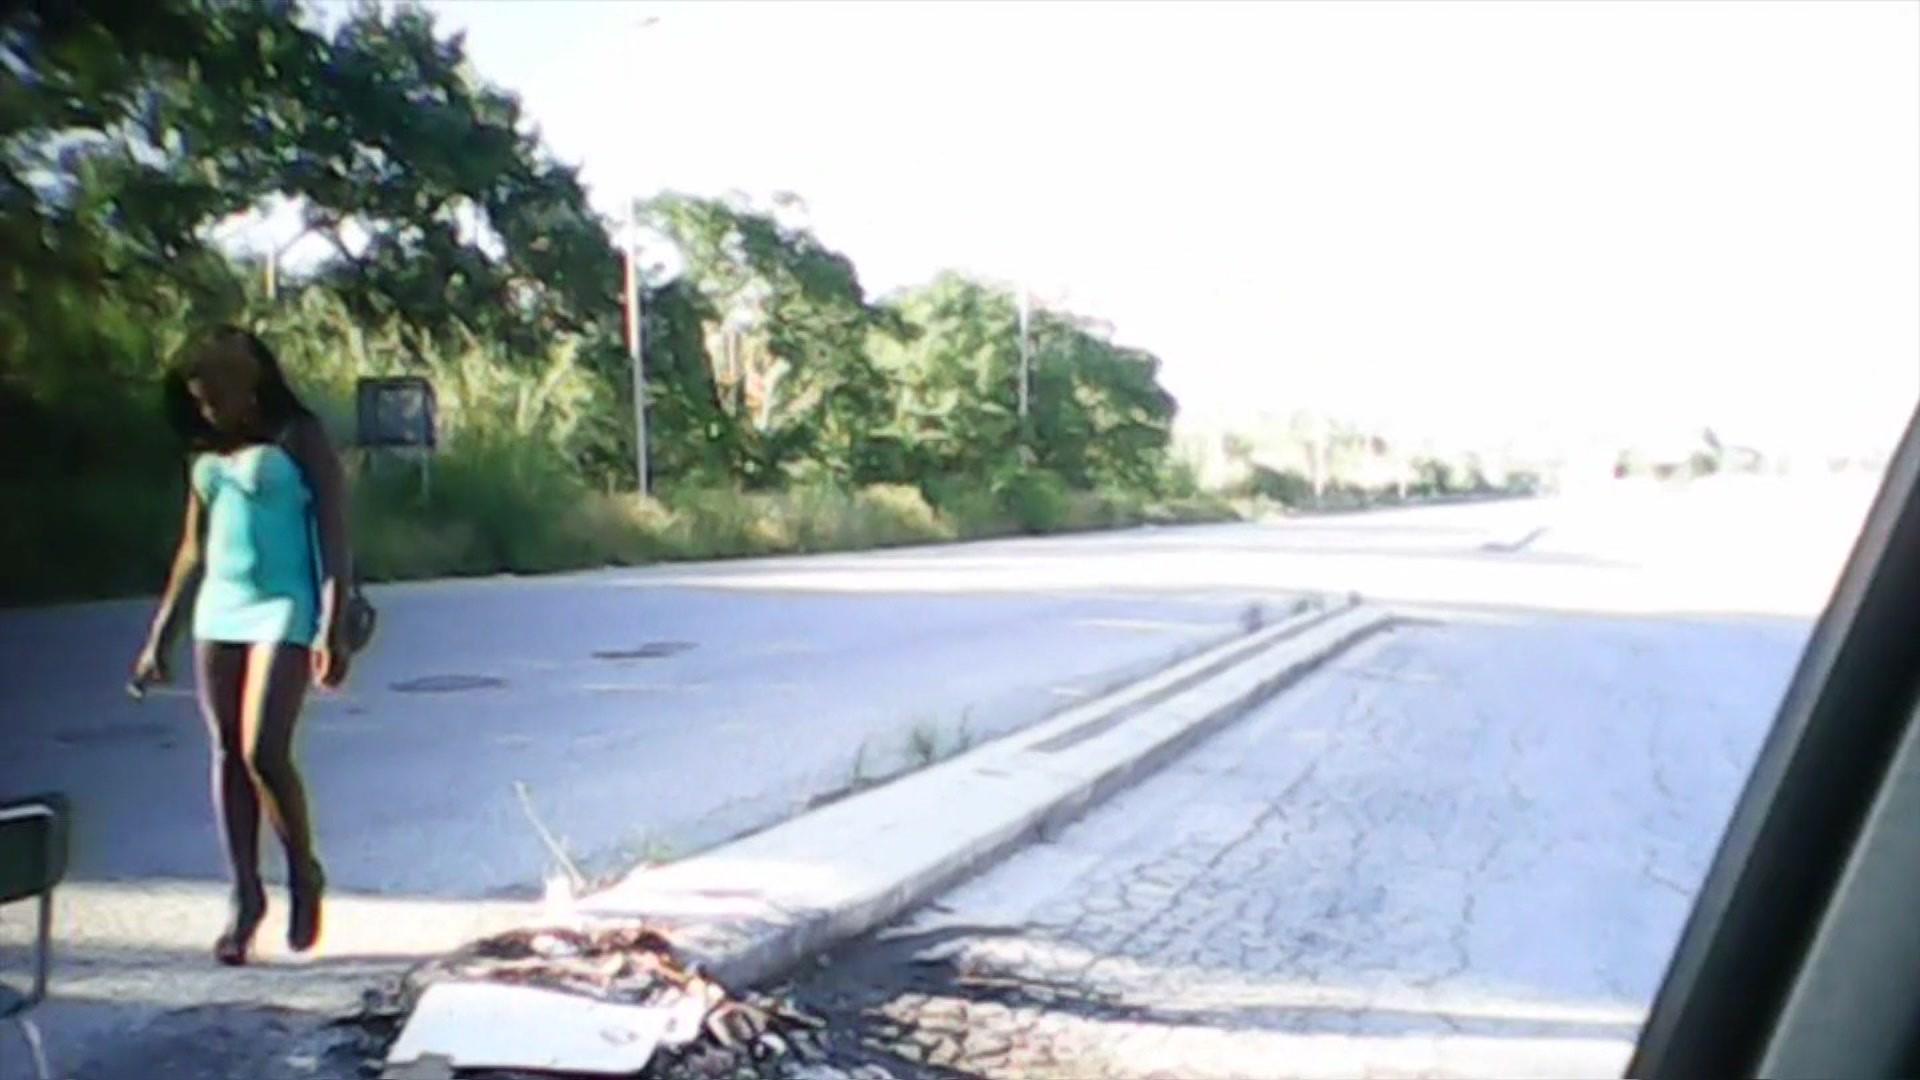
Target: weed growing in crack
pixel 1254 617
pixel 923 743
pixel 858 778
pixel 963 736
pixel 651 850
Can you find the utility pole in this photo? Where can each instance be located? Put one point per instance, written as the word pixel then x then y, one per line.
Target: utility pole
pixel 634 344
pixel 1026 360
pixel 274 254
pixel 636 325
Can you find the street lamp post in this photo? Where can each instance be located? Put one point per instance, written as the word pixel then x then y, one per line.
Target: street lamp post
pixel 634 345
pixel 1026 360
pixel 636 327
pixel 274 255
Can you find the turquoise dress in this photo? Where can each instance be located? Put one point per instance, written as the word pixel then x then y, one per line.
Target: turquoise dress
pixel 260 579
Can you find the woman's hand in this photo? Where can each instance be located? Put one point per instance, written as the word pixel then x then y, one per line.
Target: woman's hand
pixel 150 668
pixel 329 663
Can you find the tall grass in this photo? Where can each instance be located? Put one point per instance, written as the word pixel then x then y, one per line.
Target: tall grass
pixel 96 510
pixel 553 524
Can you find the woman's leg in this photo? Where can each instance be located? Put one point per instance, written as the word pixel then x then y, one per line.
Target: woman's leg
pixel 220 671
pixel 276 687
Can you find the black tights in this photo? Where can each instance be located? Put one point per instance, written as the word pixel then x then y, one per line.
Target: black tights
pixel 251 697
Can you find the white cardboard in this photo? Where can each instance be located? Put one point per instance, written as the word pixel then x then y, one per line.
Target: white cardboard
pixel 481 1025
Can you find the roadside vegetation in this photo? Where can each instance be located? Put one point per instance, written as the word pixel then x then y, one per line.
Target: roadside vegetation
pixel 790 411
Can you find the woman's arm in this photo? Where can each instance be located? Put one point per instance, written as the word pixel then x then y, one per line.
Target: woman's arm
pixel 324 475
pixel 152 663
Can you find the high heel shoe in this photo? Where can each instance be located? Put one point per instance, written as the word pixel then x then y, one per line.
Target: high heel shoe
pixel 303 922
pixel 230 948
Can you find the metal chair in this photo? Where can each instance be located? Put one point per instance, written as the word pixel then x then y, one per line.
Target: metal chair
pixel 33 859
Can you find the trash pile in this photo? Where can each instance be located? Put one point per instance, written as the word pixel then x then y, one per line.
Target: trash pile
pixel 561 1002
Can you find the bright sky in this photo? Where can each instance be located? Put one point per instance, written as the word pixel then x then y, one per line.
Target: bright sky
pixel 1580 214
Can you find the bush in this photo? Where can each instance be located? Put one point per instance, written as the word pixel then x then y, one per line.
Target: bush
pixel 1102 510
pixel 498 505
pixel 971 509
pixel 1524 482
pixel 900 514
pixel 724 523
pixel 87 536
pixel 489 501
pixel 1035 499
pixel 1287 487
pixel 503 493
pixel 624 530
pixel 92 484
pixel 1202 509
pixel 1182 480
pixel 394 547
pixel 829 519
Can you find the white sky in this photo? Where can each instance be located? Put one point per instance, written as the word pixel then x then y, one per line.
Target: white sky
pixel 1583 214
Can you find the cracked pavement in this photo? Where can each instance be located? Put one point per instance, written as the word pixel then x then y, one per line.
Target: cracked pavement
pixel 1466 848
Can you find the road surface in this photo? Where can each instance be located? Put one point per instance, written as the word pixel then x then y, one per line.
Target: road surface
pixel 714 711
pixel 1464 849
pixel 657 711
pixel 728 695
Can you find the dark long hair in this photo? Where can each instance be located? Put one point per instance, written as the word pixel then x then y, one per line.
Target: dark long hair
pixel 279 405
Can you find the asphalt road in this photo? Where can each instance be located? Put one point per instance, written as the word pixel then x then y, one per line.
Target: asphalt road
pixel 710 712
pixel 653 712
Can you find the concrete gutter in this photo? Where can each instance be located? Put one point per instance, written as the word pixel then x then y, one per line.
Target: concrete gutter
pixel 749 911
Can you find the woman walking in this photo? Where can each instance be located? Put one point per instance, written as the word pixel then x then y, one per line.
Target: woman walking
pixel 266 536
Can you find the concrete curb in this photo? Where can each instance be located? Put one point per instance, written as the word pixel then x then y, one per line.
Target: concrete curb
pixel 749 911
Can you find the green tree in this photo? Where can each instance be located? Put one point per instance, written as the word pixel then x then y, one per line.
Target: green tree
pixel 956 398
pixel 135 128
pixel 786 332
pixel 1098 415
